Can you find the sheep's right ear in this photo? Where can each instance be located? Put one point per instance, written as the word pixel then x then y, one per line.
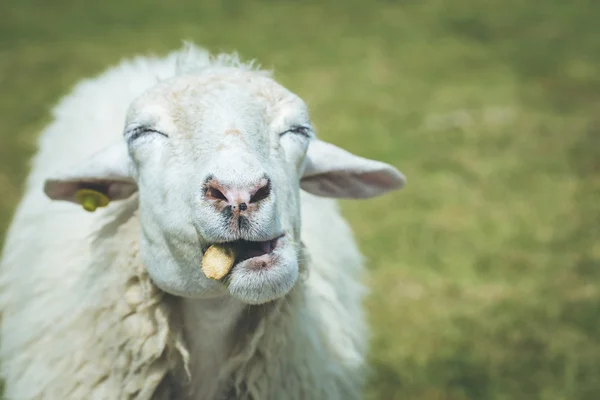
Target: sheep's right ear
pixel 107 175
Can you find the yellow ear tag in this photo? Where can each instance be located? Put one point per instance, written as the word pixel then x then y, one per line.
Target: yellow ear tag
pixel 90 200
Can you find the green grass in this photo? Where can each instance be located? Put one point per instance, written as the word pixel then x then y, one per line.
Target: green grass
pixel 485 270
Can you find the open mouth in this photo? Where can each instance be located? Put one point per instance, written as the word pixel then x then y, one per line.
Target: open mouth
pixel 246 250
pixel 220 258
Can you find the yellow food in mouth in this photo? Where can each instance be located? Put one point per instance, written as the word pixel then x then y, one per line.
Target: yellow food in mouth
pixel 218 261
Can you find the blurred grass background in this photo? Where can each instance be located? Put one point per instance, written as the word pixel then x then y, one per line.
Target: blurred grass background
pixel 485 270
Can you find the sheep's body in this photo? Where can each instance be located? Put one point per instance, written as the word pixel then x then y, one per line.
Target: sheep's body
pixel 81 318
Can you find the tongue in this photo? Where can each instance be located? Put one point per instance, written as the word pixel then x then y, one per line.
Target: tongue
pixel 218 260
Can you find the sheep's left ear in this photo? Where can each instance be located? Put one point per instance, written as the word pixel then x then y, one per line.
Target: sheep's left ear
pixel 333 172
pixel 104 177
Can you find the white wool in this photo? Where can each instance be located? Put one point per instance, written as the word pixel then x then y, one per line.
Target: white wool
pixel 81 317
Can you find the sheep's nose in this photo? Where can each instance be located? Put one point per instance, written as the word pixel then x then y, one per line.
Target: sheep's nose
pixel 239 198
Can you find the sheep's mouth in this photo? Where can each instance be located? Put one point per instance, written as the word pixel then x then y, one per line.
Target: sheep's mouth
pixel 246 249
pixel 220 258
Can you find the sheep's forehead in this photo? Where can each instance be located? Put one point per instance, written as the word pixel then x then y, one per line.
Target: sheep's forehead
pixel 226 102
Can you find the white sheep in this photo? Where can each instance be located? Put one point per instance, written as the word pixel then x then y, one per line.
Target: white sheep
pixel 114 304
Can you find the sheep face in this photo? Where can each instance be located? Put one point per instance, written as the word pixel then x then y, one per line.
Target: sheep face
pixel 220 159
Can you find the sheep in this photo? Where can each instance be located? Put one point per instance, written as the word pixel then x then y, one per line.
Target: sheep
pixel 102 294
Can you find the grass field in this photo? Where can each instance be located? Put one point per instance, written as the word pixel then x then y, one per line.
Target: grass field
pixel 485 270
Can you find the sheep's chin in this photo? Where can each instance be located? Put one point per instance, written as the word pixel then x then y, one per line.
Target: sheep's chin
pixel 266 278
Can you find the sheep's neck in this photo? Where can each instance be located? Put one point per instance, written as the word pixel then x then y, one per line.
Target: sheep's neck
pixel 208 327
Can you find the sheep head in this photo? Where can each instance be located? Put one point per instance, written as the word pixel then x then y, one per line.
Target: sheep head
pixel 219 157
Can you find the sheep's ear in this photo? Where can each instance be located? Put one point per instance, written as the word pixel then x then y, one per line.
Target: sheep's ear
pixel 107 176
pixel 333 172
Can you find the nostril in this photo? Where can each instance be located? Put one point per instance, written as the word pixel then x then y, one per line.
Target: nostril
pixel 214 193
pixel 261 193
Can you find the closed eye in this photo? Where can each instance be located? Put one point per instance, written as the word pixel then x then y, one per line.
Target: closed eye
pixel 298 130
pixel 141 131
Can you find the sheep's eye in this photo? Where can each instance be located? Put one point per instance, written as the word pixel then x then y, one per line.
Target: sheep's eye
pixel 298 130
pixel 142 131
